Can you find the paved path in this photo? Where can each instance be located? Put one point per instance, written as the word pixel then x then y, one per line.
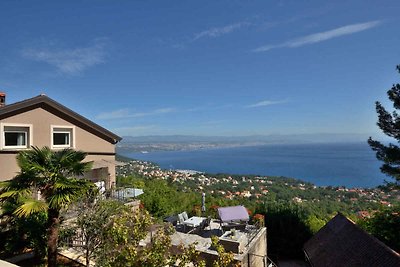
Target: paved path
pixel 76 255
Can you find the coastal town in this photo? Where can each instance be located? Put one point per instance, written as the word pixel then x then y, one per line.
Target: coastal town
pixel 362 201
pixel 200 133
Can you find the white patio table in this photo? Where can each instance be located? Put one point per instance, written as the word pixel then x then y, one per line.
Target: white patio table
pixel 194 221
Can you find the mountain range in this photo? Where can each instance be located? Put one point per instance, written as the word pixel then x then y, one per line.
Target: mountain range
pixel 252 139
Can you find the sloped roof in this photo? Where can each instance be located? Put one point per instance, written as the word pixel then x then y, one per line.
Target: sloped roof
pixel 342 243
pixel 48 104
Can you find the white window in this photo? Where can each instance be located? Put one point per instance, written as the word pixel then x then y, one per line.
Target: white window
pixel 15 136
pixel 62 137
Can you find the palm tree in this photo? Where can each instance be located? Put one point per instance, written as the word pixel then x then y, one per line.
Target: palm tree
pixel 48 172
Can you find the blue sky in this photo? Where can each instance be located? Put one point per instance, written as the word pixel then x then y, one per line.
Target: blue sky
pixel 205 67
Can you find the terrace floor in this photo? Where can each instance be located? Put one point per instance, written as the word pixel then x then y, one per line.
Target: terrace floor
pixel 203 237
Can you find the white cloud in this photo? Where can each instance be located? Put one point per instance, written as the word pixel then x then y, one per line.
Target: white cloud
pixel 212 33
pixel 218 31
pixel 209 107
pixel 69 61
pixel 125 113
pixel 116 114
pixel 321 36
pixel 266 103
pixel 134 130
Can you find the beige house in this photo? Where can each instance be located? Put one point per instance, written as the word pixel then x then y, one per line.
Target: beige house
pixel 41 121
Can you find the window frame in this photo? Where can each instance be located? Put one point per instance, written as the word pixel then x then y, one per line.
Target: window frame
pixel 28 135
pixel 69 129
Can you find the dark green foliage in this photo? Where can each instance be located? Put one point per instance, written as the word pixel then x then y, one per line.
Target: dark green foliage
pixel 91 223
pixel 287 230
pixel 161 199
pixel 389 123
pixel 314 223
pixel 23 233
pixel 130 181
pixel 385 225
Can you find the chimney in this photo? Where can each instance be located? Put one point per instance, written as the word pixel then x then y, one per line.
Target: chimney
pixel 2 99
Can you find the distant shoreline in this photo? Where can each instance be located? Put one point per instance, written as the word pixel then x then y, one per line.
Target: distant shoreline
pixel 170 147
pixel 344 164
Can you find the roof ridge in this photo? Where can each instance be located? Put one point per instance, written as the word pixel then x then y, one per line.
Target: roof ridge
pixel 22 106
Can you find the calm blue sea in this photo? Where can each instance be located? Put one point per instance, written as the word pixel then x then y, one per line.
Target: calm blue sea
pixel 351 165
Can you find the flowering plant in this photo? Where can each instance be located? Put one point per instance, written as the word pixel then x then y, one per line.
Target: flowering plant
pixel 259 220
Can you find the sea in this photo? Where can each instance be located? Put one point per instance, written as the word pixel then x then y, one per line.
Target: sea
pixel 339 164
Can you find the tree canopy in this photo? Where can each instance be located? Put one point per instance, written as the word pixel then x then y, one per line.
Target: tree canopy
pixel 389 123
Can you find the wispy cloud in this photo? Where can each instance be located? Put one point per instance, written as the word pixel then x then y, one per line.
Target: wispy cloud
pixel 219 31
pixel 266 103
pixel 210 107
pixel 126 113
pixel 321 36
pixel 69 61
pixel 134 130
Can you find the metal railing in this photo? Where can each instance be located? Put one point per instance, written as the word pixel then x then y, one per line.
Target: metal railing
pixel 267 262
pixel 270 263
pixel 252 233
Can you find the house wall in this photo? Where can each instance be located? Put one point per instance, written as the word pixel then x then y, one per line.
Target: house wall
pixel 41 121
pixel 111 166
pixel 256 255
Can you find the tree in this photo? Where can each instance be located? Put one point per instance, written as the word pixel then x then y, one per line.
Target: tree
pixel 131 239
pixel 162 199
pixel 314 223
pixel 389 123
pixel 92 217
pixel 287 229
pixel 48 172
pixel 121 238
pixel 385 225
pixel 120 243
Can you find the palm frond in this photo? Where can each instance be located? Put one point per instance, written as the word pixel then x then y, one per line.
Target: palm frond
pixel 35 160
pixel 17 193
pixel 61 198
pixel 65 184
pixel 21 185
pixel 70 161
pixel 47 171
pixel 5 184
pixel 67 190
pixel 29 207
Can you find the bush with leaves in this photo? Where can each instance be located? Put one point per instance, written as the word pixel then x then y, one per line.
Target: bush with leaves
pixel 224 259
pixel 121 238
pixel 18 234
pixel 90 222
pixel 122 235
pixel 287 230
pixel 162 199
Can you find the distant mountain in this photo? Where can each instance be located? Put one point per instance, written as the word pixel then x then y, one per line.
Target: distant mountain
pixel 264 139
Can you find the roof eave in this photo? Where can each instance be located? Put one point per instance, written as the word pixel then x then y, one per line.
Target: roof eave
pixel 28 104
